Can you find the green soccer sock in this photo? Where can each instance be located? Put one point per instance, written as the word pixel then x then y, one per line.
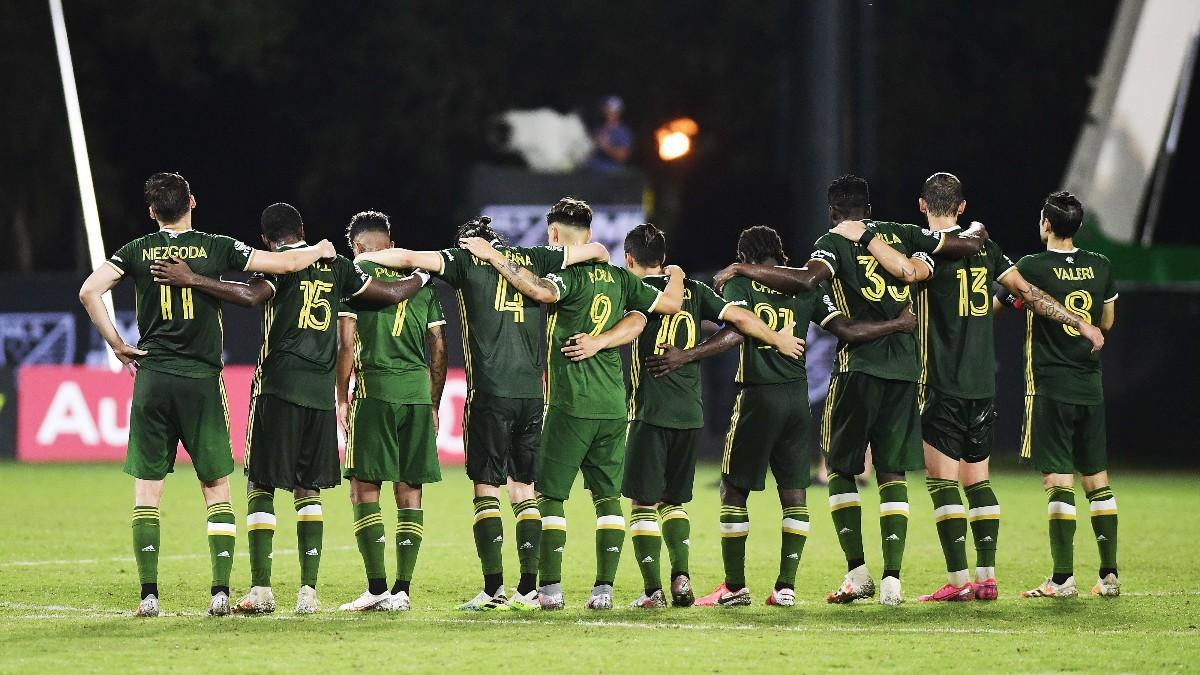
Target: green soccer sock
pixel 984 514
pixel 554 540
pixel 647 545
pixel 146 542
pixel 951 520
pixel 1103 507
pixel 371 537
pixel 845 508
pixel 529 539
pixel 893 524
pixel 735 528
pixel 1060 508
pixel 610 537
pixel 410 530
pixel 489 542
pixel 795 534
pixel 222 535
pixel 310 530
pixel 677 536
pixel 260 526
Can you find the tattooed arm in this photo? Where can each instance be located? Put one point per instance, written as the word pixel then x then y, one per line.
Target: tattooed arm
pixel 1039 302
pixel 529 284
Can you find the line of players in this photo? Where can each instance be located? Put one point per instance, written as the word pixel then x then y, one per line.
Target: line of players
pixel 890 390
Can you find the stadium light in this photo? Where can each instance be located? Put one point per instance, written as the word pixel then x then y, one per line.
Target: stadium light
pixel 675 138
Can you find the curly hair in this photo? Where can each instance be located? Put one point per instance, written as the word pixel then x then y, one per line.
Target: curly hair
pixel 480 226
pixel 760 242
pixel 367 221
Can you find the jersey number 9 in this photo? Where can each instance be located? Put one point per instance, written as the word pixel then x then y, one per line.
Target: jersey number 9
pixel 601 311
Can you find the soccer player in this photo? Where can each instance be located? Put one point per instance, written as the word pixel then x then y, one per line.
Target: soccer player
pixel 502 416
pixel 873 392
pixel 291 439
pixel 666 414
pixel 1064 395
pixel 584 426
pixel 391 426
pixel 957 387
pixel 771 417
pixel 178 394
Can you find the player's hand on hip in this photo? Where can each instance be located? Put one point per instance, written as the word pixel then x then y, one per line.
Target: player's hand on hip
pixel 128 354
pixel 850 229
pixel 1092 334
pixel 672 359
pixel 581 346
pixel 173 272
pixel 787 343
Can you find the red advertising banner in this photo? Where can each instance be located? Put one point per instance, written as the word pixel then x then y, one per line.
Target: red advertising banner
pixel 80 414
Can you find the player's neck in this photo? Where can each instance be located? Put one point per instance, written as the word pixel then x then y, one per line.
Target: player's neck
pixel 640 271
pixel 182 225
pixel 1054 243
pixel 937 223
pixel 286 241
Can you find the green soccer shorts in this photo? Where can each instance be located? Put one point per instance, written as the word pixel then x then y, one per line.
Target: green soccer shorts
pixel 169 409
pixel 768 429
pixel 392 442
pixel 660 463
pixel 1062 437
pixel 290 446
pixel 959 428
pixel 864 410
pixel 501 437
pixel 573 444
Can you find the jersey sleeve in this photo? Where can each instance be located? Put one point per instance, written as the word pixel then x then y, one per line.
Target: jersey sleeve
pixel 712 306
pixel 344 309
pixel 547 259
pixel 563 283
pixel 922 240
pixel 639 295
pixel 232 254
pixel 823 308
pixel 351 278
pixel 436 316
pixel 1001 263
pixel 737 291
pixel 271 279
pixel 1110 284
pixel 454 266
pixel 825 251
pixel 123 259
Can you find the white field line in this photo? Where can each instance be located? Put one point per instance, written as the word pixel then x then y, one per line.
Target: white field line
pixel 130 559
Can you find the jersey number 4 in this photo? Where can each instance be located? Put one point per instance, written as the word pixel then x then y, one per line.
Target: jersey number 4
pixel 505 303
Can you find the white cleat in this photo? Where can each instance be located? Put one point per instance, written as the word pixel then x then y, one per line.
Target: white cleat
pixel 366 601
pixel 551 602
pixel 260 600
pixel 148 606
pixel 889 592
pixel 783 597
pixel 857 585
pixel 396 602
pixel 601 600
pixel 655 600
pixel 1108 587
pixel 219 605
pixel 524 603
pixel 306 601
pixel 1049 589
pixel 486 603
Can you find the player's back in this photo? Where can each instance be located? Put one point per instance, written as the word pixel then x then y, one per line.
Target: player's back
pixel 181 329
pixel 760 363
pixel 501 328
pixel 1058 362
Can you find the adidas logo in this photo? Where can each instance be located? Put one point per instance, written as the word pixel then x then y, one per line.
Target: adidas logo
pixel 687 542
pixel 223 554
pixel 648 559
pixel 960 538
pixel 558 550
pixel 892 537
pixel 526 546
pixel 312 551
pixel 793 556
pixel 846 530
pixel 987 538
pixel 498 538
pixel 381 540
pixel 149 548
pixel 613 549
pixel 1101 538
pixel 406 542
pixel 270 555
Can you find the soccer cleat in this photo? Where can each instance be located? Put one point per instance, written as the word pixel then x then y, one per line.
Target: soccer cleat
pixel 395 602
pixel 985 590
pixel 889 592
pixel 857 585
pixel 1108 587
pixel 782 597
pixel 364 602
pixel 599 600
pixel 681 592
pixel 655 600
pixel 219 606
pixel 551 602
pixel 723 597
pixel 306 601
pixel 148 606
pixel 260 600
pixel 949 593
pixel 524 603
pixel 1049 589
pixel 485 603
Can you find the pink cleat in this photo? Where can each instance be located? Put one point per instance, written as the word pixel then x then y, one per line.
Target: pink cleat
pixel 949 593
pixel 723 597
pixel 985 590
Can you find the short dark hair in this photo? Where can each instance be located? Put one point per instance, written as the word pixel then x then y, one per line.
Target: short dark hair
pixel 169 195
pixel 942 194
pixel 480 226
pixel 849 192
pixel 280 221
pixel 1064 212
pixel 647 244
pixel 570 211
pixel 760 242
pixel 367 221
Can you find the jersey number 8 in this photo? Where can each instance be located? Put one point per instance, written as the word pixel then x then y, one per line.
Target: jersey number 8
pixel 1078 303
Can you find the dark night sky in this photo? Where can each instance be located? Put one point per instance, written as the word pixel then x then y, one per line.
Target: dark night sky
pixel 338 107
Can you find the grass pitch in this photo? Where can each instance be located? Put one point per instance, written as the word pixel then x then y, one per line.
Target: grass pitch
pixel 69 585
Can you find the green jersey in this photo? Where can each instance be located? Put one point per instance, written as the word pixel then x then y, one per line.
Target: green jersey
pixel 864 290
pixel 181 329
pixel 389 349
pixel 673 401
pixel 501 329
pixel 954 311
pixel 592 298
pixel 300 331
pixel 1059 363
pixel 760 363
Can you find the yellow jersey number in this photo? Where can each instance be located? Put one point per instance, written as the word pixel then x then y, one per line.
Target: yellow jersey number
pixel 398 324
pixel 878 285
pixel 971 282
pixel 775 318
pixel 506 303
pixel 166 305
pixel 316 312
pixel 1078 303
pixel 668 329
pixel 601 311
